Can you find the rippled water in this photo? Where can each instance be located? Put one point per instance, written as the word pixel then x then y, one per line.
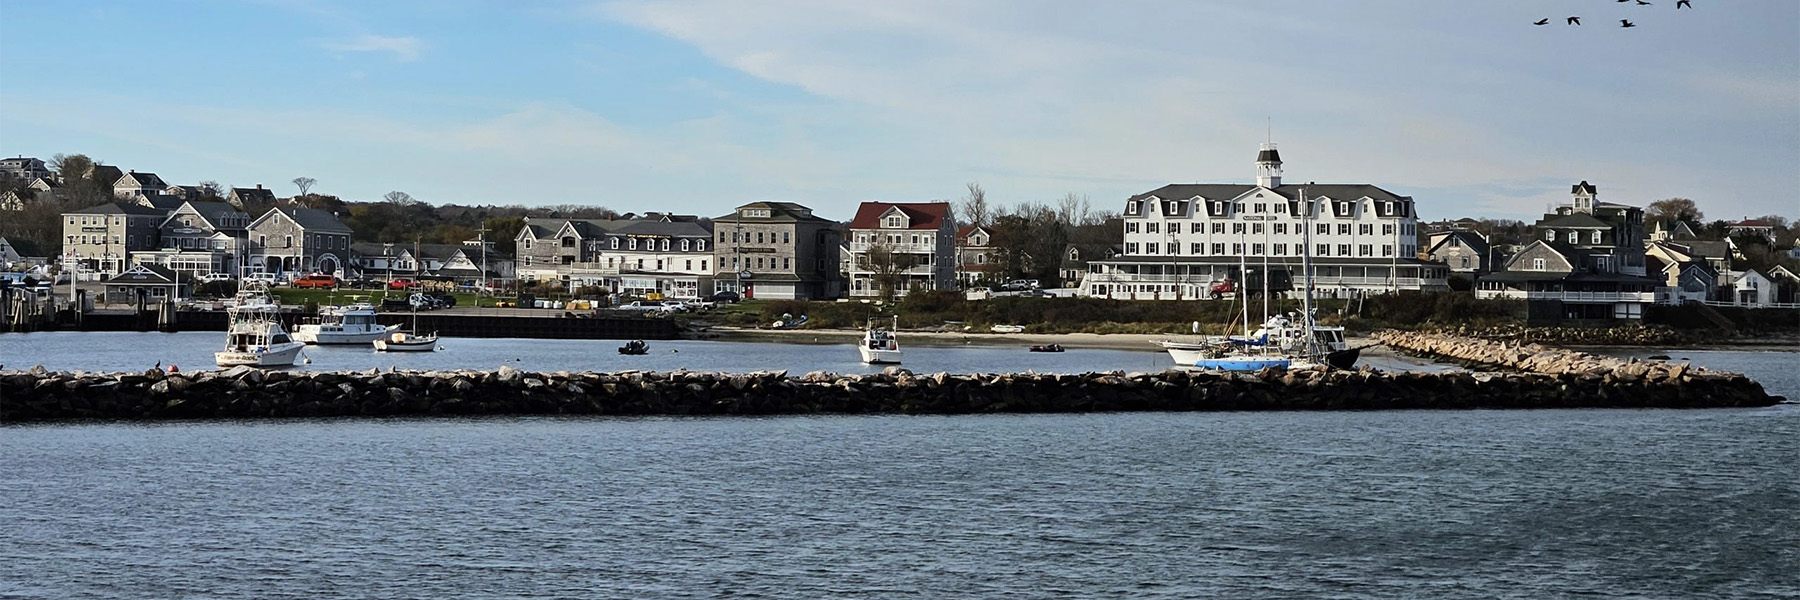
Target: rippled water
pixel 1426 504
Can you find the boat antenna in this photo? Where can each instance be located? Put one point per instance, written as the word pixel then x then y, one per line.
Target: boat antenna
pixel 1306 319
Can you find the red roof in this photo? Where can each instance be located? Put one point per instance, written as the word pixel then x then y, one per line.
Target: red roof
pixel 923 215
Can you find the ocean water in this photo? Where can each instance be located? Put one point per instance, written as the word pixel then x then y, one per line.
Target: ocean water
pixel 1396 504
pixel 1402 504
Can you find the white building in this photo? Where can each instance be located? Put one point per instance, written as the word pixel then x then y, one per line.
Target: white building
pixel 1182 238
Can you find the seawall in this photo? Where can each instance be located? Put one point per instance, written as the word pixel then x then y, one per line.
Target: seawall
pixel 249 393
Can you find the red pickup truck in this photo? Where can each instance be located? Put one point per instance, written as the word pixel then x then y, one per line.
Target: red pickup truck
pixel 316 281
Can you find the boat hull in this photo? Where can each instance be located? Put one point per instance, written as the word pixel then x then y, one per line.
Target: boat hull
pixel 1240 363
pixel 1344 359
pixel 418 345
pixel 279 355
pixel 879 357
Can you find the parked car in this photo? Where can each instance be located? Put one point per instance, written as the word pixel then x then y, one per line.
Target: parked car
pixel 215 277
pixel 725 296
pixel 396 304
pixel 675 306
pixel 262 278
pixel 403 284
pixel 423 301
pixel 642 305
pixel 316 280
pixel 444 299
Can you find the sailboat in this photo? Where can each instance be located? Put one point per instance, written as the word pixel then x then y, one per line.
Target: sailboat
pixel 408 341
pixel 880 346
pixel 1283 341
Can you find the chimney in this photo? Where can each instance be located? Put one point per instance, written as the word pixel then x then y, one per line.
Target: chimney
pixel 259 186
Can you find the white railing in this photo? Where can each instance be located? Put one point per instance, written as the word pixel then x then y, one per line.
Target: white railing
pixel 860 247
pixel 1645 297
pixel 1750 304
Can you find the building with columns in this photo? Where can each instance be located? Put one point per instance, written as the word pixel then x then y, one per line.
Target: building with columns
pixel 1182 238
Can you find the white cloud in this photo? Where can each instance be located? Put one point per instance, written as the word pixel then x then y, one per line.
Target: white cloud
pixel 405 48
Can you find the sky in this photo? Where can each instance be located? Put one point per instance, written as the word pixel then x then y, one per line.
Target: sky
pixel 699 106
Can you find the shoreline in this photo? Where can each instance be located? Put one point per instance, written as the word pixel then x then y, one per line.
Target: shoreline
pixel 1135 341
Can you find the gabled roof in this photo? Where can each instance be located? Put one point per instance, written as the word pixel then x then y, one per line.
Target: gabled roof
pixel 679 228
pixel 1584 186
pixel 117 208
pixel 963 233
pixel 922 215
pixel 159 201
pixel 147 180
pixel 257 193
pixel 1467 238
pixel 105 173
pixel 208 211
pixel 143 274
pixel 310 219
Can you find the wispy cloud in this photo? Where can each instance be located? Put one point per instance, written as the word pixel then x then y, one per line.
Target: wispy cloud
pixel 405 48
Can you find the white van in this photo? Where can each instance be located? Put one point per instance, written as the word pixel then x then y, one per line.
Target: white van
pixel 262 278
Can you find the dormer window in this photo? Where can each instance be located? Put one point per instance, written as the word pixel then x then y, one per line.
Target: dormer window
pixel 684 245
pixel 893 222
pixel 1549 235
pixel 1574 237
pixel 1595 237
pixel 633 243
pixel 700 246
pixel 665 245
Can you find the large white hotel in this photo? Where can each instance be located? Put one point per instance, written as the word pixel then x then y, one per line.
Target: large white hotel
pixel 1182 238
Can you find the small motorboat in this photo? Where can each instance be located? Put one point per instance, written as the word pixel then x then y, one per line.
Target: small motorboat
pixel 1007 329
pixel 634 347
pixel 1047 348
pixel 880 346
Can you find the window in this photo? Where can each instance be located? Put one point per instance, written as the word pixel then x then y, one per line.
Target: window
pixel 1324 250
pixel 1537 264
pixel 1365 250
pixel 1237 228
pixel 1387 249
pixel 787 263
pixel 1131 247
pixel 684 245
pixel 1256 249
pixel 1237 207
pixel 703 265
pixel 1218 228
pixel 1280 209
pixel 700 246
pixel 787 237
pixel 1549 235
pixel 633 243
pixel 1237 248
pixel 1343 249
pixel 1256 228
pixel 1574 237
pixel 1387 229
pixel 665 245
pixel 1195 227
pixel 759 237
pixel 659 264
pixel 1280 228
pixel 1152 227
pixel 1150 248
pixel 1174 248
pixel 1387 207
pixel 1343 229
pixel 1280 249
pixel 1262 207
pixel 915 240
pixel 1131 227
pixel 1196 248
pixel 290 241
pixel 1596 238
pixel 1365 229
pixel 893 221
pixel 1324 229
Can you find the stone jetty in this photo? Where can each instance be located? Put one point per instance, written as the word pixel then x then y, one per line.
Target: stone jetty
pixel 1538 358
pixel 38 395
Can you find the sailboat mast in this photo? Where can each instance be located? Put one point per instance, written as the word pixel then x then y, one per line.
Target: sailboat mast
pixel 1306 319
pixel 1243 290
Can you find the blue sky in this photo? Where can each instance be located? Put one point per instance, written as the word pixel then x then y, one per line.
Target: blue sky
pixel 697 107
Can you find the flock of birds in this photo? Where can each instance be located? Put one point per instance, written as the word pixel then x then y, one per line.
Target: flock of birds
pixel 1679 4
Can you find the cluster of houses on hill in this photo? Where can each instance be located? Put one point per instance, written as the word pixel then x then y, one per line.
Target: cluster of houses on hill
pixel 1588 259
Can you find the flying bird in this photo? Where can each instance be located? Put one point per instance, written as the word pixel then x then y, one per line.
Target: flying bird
pixel 1625 23
pixel 1544 21
pixel 1642 3
pixel 1574 21
pixel 1683 4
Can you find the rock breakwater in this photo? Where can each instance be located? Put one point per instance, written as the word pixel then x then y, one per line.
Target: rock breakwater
pixel 1537 358
pixel 249 393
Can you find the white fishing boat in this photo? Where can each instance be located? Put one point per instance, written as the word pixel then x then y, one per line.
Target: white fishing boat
pixel 340 325
pixel 255 337
pixel 880 346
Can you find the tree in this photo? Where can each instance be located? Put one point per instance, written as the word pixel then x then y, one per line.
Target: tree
pixel 887 267
pixel 1674 209
pixel 1073 209
pixel 211 190
pixel 304 183
pixel 974 206
pixel 399 198
pixel 71 166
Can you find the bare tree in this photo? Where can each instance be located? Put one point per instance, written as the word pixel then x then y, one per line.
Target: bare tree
pixel 212 189
pixel 975 205
pixel 399 198
pixel 887 267
pixel 1073 208
pixel 305 184
pixel 1674 209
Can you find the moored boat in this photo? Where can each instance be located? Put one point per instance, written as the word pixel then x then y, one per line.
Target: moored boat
pixel 1047 348
pixel 635 348
pixel 353 324
pixel 880 346
pixel 255 336
pixel 401 341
